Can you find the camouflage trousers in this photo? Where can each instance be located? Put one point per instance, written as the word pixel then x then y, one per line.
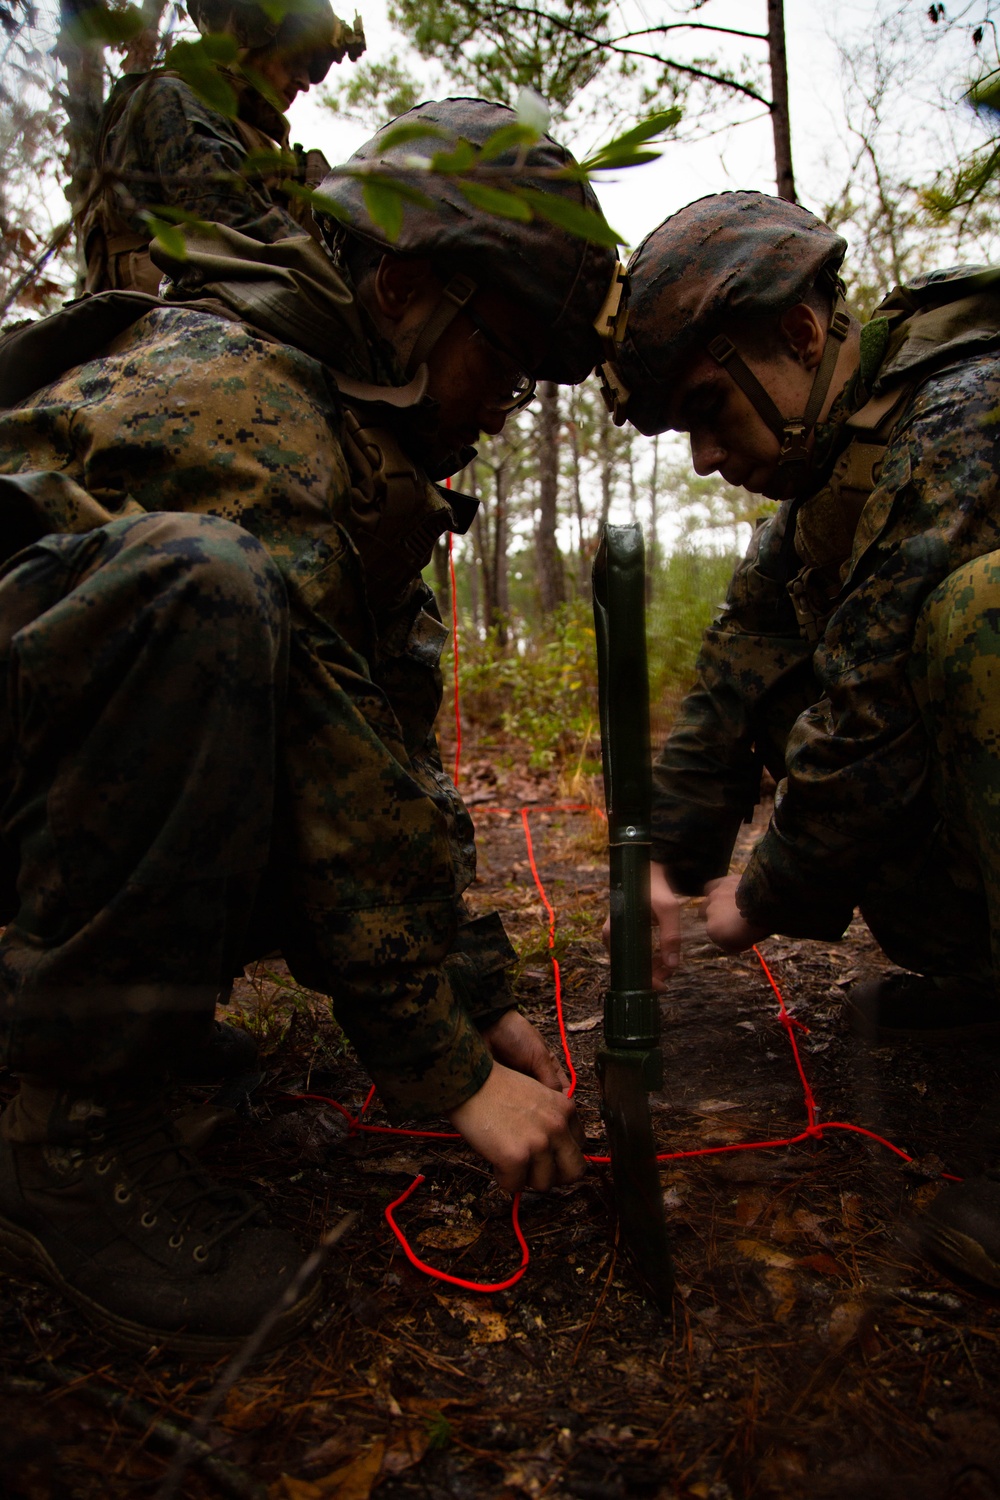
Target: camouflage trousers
pixel 155 817
pixel 941 914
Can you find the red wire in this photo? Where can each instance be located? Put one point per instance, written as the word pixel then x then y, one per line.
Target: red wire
pixel 813 1131
pixel 469 1286
pixel 454 644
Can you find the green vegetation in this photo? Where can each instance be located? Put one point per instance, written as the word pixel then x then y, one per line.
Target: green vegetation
pixel 539 692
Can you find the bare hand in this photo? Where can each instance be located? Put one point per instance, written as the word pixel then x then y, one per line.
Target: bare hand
pixel 666 907
pixel 726 925
pixel 666 910
pixel 517 1044
pixel 531 1135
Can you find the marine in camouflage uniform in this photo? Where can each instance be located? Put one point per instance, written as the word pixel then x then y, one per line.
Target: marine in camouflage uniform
pixel 161 145
pixel 857 653
pixel 219 505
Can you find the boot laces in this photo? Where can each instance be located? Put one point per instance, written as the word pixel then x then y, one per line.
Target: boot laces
pixel 169 1179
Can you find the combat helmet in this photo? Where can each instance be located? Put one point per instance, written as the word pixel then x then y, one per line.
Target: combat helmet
pixel 722 258
pixel 561 279
pixel 295 26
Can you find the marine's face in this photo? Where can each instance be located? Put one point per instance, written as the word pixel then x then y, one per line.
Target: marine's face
pixel 480 369
pixel 286 72
pixel 727 435
pixel 480 365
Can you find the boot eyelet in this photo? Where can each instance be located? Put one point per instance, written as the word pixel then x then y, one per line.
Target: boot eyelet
pixel 122 1194
pixel 199 1253
pixel 175 1241
pixel 148 1220
pixel 102 1167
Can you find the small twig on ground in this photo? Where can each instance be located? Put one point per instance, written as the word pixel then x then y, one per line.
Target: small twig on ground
pixel 309 1268
pixel 228 1477
pixel 600 1303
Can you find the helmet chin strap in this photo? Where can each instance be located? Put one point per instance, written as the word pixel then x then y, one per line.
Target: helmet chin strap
pixel 458 291
pixel 792 432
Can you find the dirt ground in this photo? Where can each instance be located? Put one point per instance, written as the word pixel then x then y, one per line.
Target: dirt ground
pixel 809 1352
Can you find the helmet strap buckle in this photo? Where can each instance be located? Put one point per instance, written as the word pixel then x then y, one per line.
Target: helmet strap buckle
pixel 792 432
pixel 614 391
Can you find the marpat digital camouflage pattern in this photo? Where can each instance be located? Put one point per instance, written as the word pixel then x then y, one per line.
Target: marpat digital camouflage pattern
pixel 205 766
pixel 882 729
pixel 160 145
pixel 724 257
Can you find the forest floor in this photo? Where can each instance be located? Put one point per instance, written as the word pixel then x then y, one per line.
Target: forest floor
pixel 810 1352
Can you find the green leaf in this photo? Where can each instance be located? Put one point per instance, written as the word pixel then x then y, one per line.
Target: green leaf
pixel 263 163
pixel 264 87
pixel 532 110
pixel 168 236
pixel 99 23
pixel 385 206
pixel 653 125
pixel 628 157
pixel 496 201
pixel 167 212
pixel 404 190
pixel 220 47
pixel 321 202
pixel 507 138
pixel 572 217
pixel 462 158
pixel 401 135
pixel 198 70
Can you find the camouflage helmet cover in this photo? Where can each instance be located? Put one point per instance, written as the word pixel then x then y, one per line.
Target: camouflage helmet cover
pixel 730 255
pixel 561 279
pixel 298 26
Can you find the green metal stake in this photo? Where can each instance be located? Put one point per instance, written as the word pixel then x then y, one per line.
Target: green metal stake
pixel 631 1063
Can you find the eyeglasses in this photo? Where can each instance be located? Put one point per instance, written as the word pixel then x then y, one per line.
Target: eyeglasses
pixel 514 386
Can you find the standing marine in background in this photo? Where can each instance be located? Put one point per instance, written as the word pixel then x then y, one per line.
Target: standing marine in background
pixel 160 144
pixel 857 654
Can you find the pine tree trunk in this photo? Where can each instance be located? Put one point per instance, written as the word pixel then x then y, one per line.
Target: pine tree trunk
pixel 84 64
pixel 551 582
pixel 780 119
pixel 582 559
pixel 604 448
pixel 501 592
pixel 442 577
pixel 653 550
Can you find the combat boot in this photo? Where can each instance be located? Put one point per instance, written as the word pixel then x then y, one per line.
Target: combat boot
pixel 100 1199
pixel 937 1011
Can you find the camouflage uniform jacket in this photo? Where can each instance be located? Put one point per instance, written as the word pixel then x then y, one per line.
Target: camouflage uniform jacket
pixel 201 406
pixel 807 668
pixel 163 146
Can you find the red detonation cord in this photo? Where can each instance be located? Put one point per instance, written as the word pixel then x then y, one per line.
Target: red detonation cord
pixel 454 645
pixel 814 1129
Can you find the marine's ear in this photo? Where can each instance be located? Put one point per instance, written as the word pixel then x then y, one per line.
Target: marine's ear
pixel 803 334
pixel 402 283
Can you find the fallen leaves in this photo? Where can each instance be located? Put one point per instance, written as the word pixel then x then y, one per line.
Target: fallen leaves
pixel 449 1236
pixel 484 1325
pixel 589 1023
pixel 353 1481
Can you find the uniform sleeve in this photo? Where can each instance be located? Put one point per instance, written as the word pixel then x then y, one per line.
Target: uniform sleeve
pixel 857 760
pixel 752 666
pixel 186 155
